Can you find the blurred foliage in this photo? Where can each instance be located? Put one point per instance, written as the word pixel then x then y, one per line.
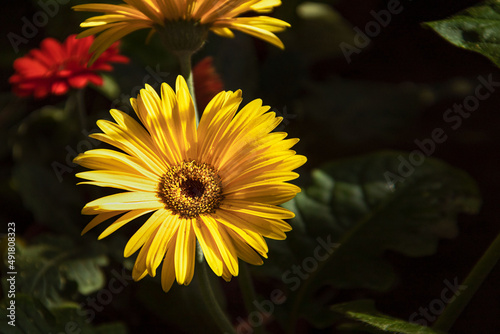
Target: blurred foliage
pixel 34 318
pixel 476 29
pixel 355 202
pixel 362 209
pixel 364 311
pixel 356 213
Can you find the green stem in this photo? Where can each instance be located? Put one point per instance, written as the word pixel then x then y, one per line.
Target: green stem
pixel 187 72
pixel 248 292
pixel 472 283
pixel 209 298
pixel 80 106
pixel 75 102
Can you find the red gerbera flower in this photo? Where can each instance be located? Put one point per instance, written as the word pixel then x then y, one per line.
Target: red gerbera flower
pixel 56 67
pixel 207 82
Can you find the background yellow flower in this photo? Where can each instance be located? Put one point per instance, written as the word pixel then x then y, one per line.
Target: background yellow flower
pixel 181 21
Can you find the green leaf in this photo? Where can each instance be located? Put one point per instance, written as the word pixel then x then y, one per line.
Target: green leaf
pixel 476 28
pixel 356 211
pixel 53 204
pixel 47 268
pixel 86 273
pixel 43 172
pixel 26 316
pixel 31 316
pixel 382 202
pixel 364 311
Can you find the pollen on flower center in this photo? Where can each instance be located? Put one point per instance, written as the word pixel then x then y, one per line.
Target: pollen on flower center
pixel 190 189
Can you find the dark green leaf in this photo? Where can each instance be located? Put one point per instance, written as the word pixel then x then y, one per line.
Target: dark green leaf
pixel 86 273
pixel 476 28
pixel 382 202
pixel 32 317
pixel 364 311
pixel 47 267
pixel 52 203
pixel 357 210
pixel 43 172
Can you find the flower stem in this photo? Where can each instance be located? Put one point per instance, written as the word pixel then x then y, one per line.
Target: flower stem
pixel 209 298
pixel 187 72
pixel 75 101
pixel 248 292
pixel 472 283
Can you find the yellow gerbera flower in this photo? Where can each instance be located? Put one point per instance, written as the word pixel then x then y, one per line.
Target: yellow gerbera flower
pixel 218 184
pixel 181 20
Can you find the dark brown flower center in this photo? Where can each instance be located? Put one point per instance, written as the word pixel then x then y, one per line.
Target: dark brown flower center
pixel 190 189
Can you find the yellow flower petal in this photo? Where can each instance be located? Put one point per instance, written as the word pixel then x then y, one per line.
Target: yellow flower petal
pixel 224 244
pixel 208 246
pixel 185 117
pixel 115 161
pixel 250 236
pixel 258 32
pixel 216 118
pixel 159 245
pixel 185 252
pixel 157 124
pixel 140 263
pixel 129 216
pixel 119 180
pixel 99 219
pixel 245 252
pixel 269 193
pixel 257 209
pixel 114 33
pixel 123 201
pixel 168 271
pixel 142 234
pixel 263 22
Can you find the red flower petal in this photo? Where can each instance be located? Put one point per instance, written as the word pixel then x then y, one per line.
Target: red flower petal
pixel 56 67
pixel 207 82
pixel 59 88
pixel 53 50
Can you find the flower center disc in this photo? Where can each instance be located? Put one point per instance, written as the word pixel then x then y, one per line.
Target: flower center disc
pixel 190 189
